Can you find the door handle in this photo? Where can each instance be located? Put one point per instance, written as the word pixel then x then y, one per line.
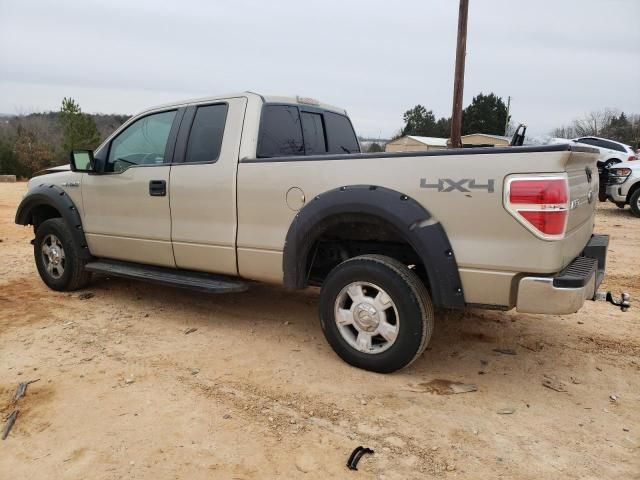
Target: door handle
pixel 158 188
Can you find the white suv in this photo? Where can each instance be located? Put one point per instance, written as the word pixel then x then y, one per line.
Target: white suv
pixel 610 151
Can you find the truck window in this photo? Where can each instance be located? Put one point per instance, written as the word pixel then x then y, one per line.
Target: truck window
pixel 207 130
pixel 340 134
pixel 313 129
pixel 280 132
pixel 142 142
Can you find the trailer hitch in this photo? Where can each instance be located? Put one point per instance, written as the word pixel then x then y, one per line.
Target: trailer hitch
pixel 624 302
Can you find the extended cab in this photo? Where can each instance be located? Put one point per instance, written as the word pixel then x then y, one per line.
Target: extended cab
pixel 212 193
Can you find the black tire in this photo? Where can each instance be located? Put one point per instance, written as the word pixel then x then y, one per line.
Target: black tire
pixel 69 274
pixel 611 162
pixel 408 296
pixel 634 202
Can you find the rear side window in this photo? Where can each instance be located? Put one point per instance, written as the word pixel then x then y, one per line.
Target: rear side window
pixel 588 141
pixel 207 130
pixel 615 146
pixel 314 138
pixel 340 134
pixel 280 132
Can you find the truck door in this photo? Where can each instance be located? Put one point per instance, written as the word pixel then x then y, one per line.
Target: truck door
pixel 203 186
pixel 125 203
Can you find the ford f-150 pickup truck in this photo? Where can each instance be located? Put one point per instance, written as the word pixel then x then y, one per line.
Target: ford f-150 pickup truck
pixel 213 193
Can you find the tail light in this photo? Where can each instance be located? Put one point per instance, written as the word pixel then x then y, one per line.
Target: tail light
pixel 539 203
pixel 632 158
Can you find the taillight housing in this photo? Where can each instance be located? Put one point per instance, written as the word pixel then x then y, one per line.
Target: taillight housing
pixel 539 203
pixel 632 158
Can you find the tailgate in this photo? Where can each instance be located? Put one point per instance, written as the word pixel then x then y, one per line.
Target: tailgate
pixel 582 173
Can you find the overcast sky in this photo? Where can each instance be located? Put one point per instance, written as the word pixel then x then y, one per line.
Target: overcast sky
pixel 557 59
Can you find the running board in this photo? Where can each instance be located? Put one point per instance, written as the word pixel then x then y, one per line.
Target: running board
pixel 199 281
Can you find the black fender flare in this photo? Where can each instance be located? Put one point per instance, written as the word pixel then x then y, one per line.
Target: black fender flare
pixel 55 197
pixel 410 219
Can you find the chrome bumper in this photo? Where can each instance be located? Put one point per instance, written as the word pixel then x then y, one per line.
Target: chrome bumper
pixel 538 295
pixel 566 292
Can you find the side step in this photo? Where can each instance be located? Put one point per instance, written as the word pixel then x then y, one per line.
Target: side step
pixel 199 281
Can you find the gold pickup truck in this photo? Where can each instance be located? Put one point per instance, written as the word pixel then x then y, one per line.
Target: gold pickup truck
pixel 213 193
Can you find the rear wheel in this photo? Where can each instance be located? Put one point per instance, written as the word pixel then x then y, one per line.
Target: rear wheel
pixel 634 202
pixel 611 162
pixel 376 313
pixel 58 257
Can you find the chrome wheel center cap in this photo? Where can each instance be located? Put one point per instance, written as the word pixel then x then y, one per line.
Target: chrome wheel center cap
pixel 366 317
pixel 54 256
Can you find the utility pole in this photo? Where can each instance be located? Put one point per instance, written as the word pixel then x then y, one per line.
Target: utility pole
pixel 458 81
pixel 506 123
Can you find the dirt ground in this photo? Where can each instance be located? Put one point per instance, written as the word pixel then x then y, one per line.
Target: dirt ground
pixel 255 392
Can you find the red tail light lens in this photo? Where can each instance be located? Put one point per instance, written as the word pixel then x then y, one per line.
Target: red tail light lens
pixel 549 223
pixel 539 191
pixel 541 204
pixel 632 158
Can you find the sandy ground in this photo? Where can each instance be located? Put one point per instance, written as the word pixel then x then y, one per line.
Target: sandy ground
pixel 255 392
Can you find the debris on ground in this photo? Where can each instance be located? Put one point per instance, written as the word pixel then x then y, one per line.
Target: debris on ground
pixel 575 380
pixel 356 455
pixel 506 411
pixel 505 351
pixel 613 398
pixel 483 365
pixel 86 295
pixel 22 390
pixel 11 419
pixel 534 346
pixel 443 387
pixel 190 330
pixel 553 383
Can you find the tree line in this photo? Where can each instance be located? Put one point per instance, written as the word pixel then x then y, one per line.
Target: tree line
pixel 29 143
pixel 608 123
pixel 486 114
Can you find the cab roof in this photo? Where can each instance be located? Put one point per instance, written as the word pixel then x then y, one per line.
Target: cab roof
pixel 295 100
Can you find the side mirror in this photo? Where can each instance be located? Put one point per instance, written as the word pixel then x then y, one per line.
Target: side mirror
pixel 81 161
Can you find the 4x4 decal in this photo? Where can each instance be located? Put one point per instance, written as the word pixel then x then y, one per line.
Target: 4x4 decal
pixel 458 185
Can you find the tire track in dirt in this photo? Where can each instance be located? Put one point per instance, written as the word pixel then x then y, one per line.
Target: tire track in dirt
pixel 290 414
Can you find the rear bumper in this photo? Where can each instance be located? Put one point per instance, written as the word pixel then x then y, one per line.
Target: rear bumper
pixel 566 291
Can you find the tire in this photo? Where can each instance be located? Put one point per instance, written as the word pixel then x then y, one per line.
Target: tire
pixel 612 161
pixel 58 257
pixel 634 202
pixel 370 294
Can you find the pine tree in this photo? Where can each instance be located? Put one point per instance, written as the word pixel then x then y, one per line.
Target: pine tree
pixel 79 129
pixel 486 114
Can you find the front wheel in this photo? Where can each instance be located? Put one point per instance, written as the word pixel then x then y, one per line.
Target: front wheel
pixel 58 257
pixel 376 313
pixel 634 202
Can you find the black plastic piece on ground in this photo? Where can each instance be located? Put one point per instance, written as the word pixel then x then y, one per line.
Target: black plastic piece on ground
pixel 356 455
pixel 199 281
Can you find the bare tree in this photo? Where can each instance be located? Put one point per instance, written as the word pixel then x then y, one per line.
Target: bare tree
pixel 593 123
pixel 566 131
